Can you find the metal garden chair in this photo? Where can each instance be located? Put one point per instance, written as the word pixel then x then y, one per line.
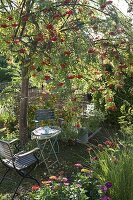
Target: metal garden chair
pixel 44 114
pixel 47 115
pixel 23 162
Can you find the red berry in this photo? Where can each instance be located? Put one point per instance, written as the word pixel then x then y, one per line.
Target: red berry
pixel 25 18
pixel 122 66
pixel 77 125
pixel 4 25
pixel 60 84
pixel 109 2
pixel 8 42
pixel 39 37
pixel 110 99
pixel 62 39
pixel 49 26
pixel 22 50
pixel 67 53
pixel 15 25
pixel 54 39
pixel 91 50
pixel 56 16
pixel 102 6
pixel 112 108
pixel 47 77
pixel 79 76
pixel 129 10
pixel 69 12
pixel 73 99
pixel 34 75
pixel 33 67
pixel 66 1
pixel 10 18
pixel 63 65
pixel 110 86
pixel 71 77
pixel 112 33
pixel 16 41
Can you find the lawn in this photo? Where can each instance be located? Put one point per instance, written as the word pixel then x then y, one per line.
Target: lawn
pixel 70 153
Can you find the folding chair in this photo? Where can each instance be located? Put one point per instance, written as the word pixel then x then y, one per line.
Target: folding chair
pixel 44 114
pixel 23 162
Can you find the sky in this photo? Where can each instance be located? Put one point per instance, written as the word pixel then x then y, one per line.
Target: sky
pixel 122 5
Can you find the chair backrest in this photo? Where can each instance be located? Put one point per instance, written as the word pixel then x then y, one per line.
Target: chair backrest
pixel 5 150
pixel 44 115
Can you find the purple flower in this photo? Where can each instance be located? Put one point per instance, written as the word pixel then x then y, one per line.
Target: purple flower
pixel 108 184
pixel 105 198
pixel 103 188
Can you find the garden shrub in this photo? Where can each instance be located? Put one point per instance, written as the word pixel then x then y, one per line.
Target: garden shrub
pixel 93 119
pixel 5 73
pixel 82 185
pixel 121 98
pixel 59 192
pixel 7 119
pixel 126 119
pixel 5 197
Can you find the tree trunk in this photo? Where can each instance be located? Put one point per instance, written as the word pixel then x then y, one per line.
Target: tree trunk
pixel 23 124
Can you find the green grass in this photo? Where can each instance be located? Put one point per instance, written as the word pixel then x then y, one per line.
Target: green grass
pixel 118 169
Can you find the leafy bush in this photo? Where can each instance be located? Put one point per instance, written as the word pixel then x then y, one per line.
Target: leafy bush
pixel 69 132
pixel 7 119
pixel 126 119
pixel 93 119
pixel 5 73
pixel 5 197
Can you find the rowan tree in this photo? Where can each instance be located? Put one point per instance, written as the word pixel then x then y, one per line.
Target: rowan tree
pixel 70 45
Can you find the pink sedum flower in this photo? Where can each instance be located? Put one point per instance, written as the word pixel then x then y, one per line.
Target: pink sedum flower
pixel 78 165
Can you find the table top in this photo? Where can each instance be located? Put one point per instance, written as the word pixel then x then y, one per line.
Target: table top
pixel 45 132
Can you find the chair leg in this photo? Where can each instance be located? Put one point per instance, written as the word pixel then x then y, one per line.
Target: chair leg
pixel 57 147
pixel 4 175
pixel 27 175
pixel 24 176
pixel 17 188
pixel 31 177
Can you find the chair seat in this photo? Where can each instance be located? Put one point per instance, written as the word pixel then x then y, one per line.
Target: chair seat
pixel 21 162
